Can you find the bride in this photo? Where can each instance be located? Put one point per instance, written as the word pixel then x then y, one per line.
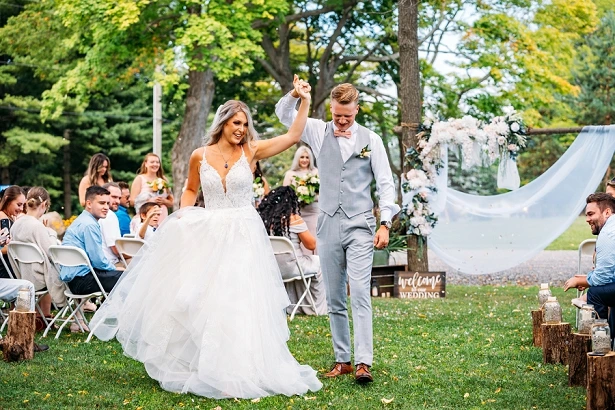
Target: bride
pixel 202 306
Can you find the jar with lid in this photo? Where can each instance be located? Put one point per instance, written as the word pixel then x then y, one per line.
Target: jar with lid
pixel 601 336
pixel 587 315
pixel 543 294
pixel 23 303
pixel 552 311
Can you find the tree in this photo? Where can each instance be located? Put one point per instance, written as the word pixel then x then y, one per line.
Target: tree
pixel 595 75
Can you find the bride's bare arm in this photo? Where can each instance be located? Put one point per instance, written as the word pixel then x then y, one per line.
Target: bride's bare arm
pixel 273 146
pixel 192 187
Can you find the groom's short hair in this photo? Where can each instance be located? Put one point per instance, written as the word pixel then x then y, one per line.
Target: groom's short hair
pixel 345 94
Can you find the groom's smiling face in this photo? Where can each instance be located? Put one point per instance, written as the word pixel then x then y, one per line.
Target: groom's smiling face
pixel 343 114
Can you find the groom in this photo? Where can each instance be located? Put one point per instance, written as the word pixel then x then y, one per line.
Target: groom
pixel 349 157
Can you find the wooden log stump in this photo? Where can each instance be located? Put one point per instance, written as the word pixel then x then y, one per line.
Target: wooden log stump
pixel 580 345
pixel 19 341
pixel 537 320
pixel 555 342
pixel 601 382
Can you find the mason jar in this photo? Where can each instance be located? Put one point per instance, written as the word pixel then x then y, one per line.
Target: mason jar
pixel 23 303
pixel 543 294
pixel 552 311
pixel 601 336
pixel 587 315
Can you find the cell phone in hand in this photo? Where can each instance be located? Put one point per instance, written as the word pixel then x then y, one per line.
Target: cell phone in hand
pixel 4 235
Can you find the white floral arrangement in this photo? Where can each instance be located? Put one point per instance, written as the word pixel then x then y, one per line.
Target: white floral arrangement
pixel 479 144
pixel 306 188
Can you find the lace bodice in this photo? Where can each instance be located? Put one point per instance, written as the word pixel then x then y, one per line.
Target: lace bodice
pixel 238 185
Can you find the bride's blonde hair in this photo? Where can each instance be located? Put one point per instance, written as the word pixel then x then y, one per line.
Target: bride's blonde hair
pixel 225 112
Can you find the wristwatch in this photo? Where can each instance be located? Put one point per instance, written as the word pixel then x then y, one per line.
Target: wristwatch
pixel 386 224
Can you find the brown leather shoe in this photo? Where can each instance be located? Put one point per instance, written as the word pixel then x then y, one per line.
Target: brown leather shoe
pixel 340 369
pixel 363 375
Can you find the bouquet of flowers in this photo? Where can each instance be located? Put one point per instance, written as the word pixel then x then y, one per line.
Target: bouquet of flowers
pixel 306 187
pixel 259 188
pixel 158 185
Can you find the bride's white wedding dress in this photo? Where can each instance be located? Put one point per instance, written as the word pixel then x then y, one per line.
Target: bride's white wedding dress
pixel 202 305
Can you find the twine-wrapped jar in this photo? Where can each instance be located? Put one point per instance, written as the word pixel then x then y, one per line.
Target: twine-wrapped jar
pixel 587 315
pixel 552 311
pixel 601 336
pixel 23 303
pixel 543 294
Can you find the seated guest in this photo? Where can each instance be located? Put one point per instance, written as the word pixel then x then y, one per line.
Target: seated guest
pixel 150 217
pixel 122 210
pixel 85 233
pixel 30 229
pixel 54 221
pixel 110 226
pixel 11 207
pixel 9 289
pixel 280 213
pixel 600 282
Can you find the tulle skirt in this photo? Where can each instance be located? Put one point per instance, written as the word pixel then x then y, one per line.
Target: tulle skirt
pixel 202 306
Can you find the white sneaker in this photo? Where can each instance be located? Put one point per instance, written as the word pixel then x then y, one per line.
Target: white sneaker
pixel 578 302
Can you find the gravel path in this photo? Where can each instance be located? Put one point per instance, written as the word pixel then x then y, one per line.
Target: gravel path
pixel 548 266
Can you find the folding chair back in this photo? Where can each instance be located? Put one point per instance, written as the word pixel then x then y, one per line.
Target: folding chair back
pixel 284 247
pixel 25 253
pixel 587 247
pixel 128 246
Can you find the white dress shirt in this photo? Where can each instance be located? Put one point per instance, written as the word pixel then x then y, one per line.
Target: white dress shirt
pixel 314 134
pixel 110 227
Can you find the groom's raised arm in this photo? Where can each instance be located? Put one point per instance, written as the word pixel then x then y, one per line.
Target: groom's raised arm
pixel 314 130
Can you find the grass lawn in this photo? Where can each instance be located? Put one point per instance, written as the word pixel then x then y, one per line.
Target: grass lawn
pixel 572 237
pixel 471 350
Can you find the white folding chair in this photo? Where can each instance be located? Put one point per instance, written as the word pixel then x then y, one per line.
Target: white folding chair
pixel 128 246
pixel 73 256
pixel 283 246
pixel 586 248
pixel 23 253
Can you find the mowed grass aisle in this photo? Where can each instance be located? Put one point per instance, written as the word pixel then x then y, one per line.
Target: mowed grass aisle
pixel 471 350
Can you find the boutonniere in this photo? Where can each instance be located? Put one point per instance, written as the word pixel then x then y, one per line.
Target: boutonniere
pixel 365 152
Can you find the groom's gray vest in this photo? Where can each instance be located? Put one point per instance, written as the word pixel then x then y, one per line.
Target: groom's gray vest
pixel 345 185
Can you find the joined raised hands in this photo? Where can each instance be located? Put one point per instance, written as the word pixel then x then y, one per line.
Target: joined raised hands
pixel 302 88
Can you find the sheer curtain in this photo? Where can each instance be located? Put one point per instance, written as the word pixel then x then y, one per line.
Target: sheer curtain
pixel 485 234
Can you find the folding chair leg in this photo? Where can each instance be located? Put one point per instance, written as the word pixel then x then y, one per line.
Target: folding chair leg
pixel 73 314
pixel 58 316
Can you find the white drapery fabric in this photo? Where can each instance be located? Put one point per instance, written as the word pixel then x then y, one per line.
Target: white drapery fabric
pixel 486 234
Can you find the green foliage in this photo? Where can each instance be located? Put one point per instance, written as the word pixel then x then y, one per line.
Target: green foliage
pixel 472 349
pixel 595 74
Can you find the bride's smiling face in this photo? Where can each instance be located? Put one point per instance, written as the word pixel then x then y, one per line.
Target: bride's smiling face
pixel 235 128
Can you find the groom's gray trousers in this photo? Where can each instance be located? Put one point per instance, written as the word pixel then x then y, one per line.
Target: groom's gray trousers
pixel 345 246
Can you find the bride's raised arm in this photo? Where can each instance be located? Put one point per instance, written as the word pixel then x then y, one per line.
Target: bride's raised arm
pixel 273 146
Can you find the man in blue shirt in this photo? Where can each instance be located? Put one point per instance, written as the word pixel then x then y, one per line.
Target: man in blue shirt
pixel 85 233
pixel 600 282
pixel 122 210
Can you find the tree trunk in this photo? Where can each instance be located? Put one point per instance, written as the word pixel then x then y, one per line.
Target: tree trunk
pixel 201 87
pixel 537 319
pixel 580 345
pixel 555 342
pixel 68 203
pixel 19 342
pixel 601 382
pixel 410 100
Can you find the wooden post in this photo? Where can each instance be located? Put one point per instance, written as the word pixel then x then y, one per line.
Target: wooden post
pixel 555 342
pixel 601 382
pixel 580 345
pixel 536 330
pixel 19 342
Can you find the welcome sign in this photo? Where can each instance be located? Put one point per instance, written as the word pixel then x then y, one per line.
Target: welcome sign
pixel 419 285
